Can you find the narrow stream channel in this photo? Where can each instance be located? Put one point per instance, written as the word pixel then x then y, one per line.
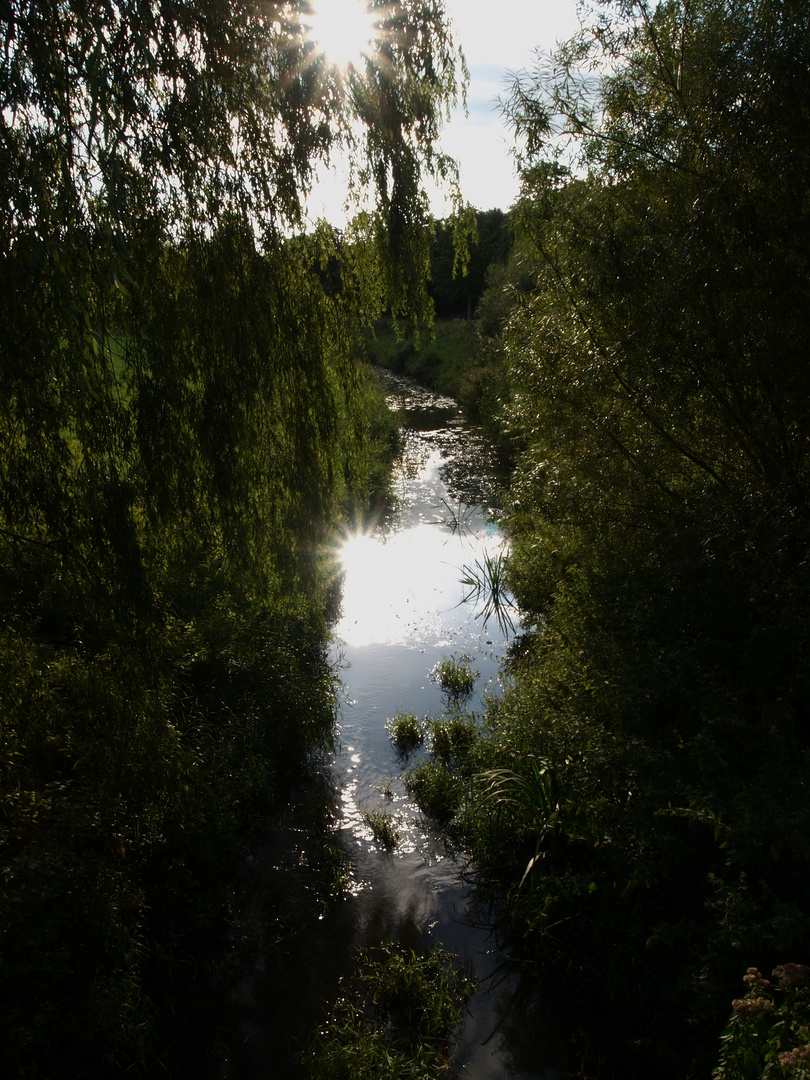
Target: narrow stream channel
pixel 403 612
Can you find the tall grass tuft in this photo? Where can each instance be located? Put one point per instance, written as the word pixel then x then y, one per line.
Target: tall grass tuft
pixel 456 676
pixel 452 738
pixel 383 827
pixel 437 791
pixel 406 733
pixel 485 582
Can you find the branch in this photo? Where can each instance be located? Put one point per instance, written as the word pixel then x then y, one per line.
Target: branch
pixel 9 535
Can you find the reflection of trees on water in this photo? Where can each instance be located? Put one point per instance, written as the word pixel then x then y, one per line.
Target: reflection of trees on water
pixel 285 942
pixel 473 475
pixel 526 1031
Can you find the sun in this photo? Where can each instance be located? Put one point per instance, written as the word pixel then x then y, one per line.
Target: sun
pixel 342 30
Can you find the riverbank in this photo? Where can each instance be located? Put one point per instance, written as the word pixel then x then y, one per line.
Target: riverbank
pixel 626 806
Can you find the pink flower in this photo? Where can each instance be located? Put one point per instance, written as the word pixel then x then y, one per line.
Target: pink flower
pixel 794 1057
pixel 791 976
pixel 748 1007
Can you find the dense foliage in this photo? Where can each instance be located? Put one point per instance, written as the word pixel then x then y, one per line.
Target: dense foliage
pixel 456 286
pixel 448 356
pixel 640 799
pixel 767 1036
pixel 181 421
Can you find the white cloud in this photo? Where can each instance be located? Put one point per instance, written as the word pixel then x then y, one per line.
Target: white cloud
pixel 506 33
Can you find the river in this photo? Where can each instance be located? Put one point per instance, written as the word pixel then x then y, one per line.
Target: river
pixel 403 612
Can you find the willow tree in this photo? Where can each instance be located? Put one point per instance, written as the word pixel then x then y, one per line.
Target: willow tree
pixel 158 312
pixel 179 420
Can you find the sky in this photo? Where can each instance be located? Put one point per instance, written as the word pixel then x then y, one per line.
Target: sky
pixel 497 37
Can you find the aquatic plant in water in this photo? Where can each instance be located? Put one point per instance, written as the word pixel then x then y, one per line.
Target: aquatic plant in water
pixel 385 789
pixel 485 581
pixel 456 676
pixel 393 1018
pixel 438 792
pixel 451 738
pixel 405 732
pixel 383 827
pixel 458 521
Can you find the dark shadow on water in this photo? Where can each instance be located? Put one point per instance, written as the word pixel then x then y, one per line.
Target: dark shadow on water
pixel 286 940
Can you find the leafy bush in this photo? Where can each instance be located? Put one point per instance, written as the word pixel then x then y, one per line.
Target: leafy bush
pixel 441 357
pixel 768 1035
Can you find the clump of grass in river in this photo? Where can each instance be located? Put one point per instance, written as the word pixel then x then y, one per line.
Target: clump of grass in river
pixel 385 789
pixel 438 792
pixel 406 733
pixel 456 676
pixel 485 582
pixel 394 1018
pixel 458 521
pixel 451 738
pixel 383 827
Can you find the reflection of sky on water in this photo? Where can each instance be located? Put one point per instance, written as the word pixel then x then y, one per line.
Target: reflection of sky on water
pixel 403 613
pixel 406 589
pixel 403 581
pixel 402 602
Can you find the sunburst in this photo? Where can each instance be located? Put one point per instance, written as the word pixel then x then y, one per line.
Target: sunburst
pixel 343 31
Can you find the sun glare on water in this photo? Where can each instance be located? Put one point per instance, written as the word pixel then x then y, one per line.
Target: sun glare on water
pixel 406 588
pixel 342 30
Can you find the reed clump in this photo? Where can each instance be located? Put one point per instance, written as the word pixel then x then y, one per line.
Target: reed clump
pixel 393 1018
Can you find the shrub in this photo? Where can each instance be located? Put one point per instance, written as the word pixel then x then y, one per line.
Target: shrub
pixel 768 1034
